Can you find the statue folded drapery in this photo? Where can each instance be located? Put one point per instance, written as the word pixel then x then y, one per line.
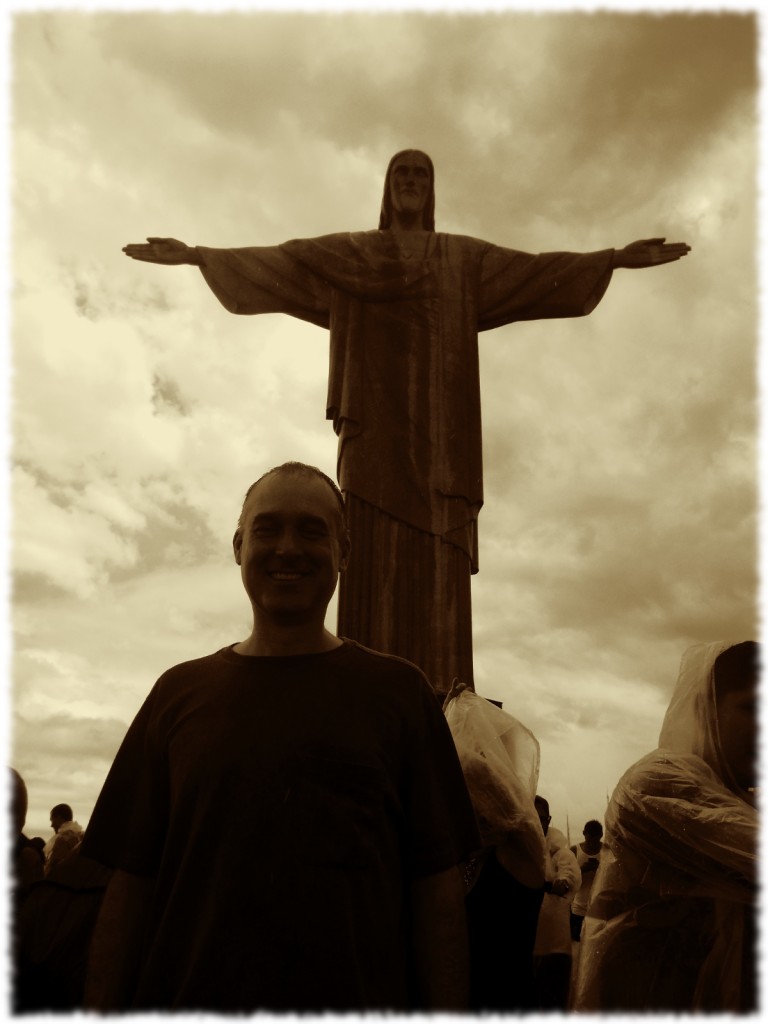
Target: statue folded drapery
pixel 404 306
pixel 404 398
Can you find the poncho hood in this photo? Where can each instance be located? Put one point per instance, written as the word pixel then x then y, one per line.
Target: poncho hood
pixel 690 724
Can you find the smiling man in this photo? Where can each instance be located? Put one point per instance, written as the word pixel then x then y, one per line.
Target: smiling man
pixel 285 816
pixel 291 543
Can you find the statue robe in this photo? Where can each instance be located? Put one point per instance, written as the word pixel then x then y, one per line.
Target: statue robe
pixel 404 398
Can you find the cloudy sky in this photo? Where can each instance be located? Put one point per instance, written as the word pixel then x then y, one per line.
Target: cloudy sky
pixel 620 481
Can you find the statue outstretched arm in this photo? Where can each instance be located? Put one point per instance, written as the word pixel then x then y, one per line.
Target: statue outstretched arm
pixel 255 279
pixel 169 251
pixel 649 252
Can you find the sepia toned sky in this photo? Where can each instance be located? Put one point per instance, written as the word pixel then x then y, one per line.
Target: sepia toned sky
pixel 620 477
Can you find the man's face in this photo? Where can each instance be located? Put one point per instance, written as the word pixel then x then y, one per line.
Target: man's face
pixel 737 725
pixel 409 183
pixel 291 547
pixel 56 822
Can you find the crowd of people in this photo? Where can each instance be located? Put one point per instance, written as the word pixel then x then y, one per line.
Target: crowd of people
pixel 55 897
pixel 291 824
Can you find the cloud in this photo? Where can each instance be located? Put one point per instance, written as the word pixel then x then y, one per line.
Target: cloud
pixel 619 448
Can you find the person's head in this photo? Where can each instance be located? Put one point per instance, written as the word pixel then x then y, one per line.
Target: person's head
pixel 593 829
pixel 542 809
pixel 735 678
pixel 409 187
pixel 60 814
pixel 713 711
pixel 291 542
pixel 19 802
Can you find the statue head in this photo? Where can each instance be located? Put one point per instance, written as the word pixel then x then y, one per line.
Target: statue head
pixel 428 213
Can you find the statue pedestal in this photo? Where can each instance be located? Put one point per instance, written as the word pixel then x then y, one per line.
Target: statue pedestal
pixel 407 593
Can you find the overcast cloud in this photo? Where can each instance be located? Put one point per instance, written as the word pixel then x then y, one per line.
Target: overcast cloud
pixel 620 475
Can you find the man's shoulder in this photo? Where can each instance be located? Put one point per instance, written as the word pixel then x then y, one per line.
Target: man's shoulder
pixel 665 780
pixel 381 664
pixel 655 772
pixel 71 826
pixel 194 673
pixel 197 666
pixel 556 841
pixel 351 650
pixel 349 664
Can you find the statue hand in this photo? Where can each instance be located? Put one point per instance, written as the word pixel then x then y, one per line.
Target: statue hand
pixel 169 251
pixel 649 252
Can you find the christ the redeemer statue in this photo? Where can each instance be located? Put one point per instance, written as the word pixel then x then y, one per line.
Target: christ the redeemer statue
pixel 404 305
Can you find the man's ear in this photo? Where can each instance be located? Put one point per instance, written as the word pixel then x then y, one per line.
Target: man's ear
pixel 237 543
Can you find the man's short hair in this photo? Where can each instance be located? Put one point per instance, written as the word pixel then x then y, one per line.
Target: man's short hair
pixel 298 469
pixel 63 811
pixel 593 828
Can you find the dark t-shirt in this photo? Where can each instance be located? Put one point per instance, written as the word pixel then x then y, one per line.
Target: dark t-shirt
pixel 283 805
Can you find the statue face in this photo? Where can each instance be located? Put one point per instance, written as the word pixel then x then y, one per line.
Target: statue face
pixel 409 183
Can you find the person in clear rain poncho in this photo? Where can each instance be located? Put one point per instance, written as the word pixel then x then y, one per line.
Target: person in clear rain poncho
pixel 670 924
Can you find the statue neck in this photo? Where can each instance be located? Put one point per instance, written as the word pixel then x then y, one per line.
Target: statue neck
pixel 406 222
pixel 416 244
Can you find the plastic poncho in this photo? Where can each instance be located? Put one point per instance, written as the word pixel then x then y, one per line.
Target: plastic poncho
pixel 500 760
pixel 670 920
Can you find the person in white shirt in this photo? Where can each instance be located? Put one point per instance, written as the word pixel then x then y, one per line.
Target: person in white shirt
pixel 552 951
pixel 587 856
pixel 67 836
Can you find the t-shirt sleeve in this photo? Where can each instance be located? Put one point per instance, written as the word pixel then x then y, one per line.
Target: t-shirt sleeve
pixel 440 814
pixel 128 825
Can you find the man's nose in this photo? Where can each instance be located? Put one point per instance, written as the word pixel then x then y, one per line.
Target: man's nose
pixel 289 542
